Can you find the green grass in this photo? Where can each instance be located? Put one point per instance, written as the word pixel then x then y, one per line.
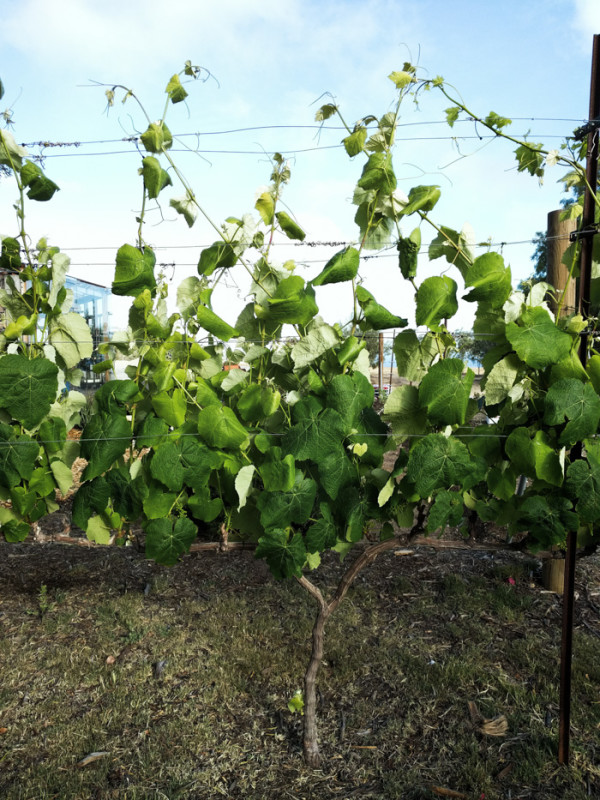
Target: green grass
pixel 414 642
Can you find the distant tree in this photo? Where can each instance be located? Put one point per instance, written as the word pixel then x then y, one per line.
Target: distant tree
pixel 371 339
pixel 472 348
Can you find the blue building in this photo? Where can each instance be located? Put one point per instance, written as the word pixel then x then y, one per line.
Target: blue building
pixel 92 301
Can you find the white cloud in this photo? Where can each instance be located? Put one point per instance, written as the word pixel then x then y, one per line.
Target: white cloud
pixel 587 17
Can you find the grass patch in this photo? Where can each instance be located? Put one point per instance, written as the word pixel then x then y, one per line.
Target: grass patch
pixel 180 678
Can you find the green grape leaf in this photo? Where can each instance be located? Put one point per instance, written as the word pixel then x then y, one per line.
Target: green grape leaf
pixel 348 395
pixel 284 554
pixel 291 302
pixel 166 540
pixel 89 498
pixel 186 206
pixel 134 271
pixel 576 402
pixel 27 387
pixel 71 337
pixel 41 188
pixel 548 518
pixel 214 324
pixel 436 300
pixel 413 355
pixel 154 432
pixel 501 379
pixel 336 471
pixel 491 280
pixel 158 504
pixel 583 484
pixel 278 474
pixel 401 79
pixel 282 509
pixel 454 247
pixel 404 412
pixel 291 229
pixel 60 267
pixel 11 153
pixel 166 466
pixel 265 205
pixel 314 437
pixel 377 317
pixel 537 341
pixel 18 456
pixel 447 509
pixel 154 176
pixel 257 402
pixel 530 159
pixel 104 439
pixel 203 507
pixel 534 455
pixel 437 462
pixel 170 407
pixel 175 90
pixel 243 483
pixel 378 174
pixel 318 341
pixel 322 535
pixel 157 137
pixel 98 531
pixel 408 253
pixel 219 255
pixel 13 530
pixel 219 427
pixel 62 475
pixel 343 266
pixel 445 393
pixel 421 198
pixel 355 142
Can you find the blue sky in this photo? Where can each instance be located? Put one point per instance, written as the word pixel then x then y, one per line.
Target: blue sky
pixel 272 61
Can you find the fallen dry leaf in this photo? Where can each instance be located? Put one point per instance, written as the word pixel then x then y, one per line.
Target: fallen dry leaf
pixel 91 758
pixel 3 730
pixel 497 726
pixel 443 792
pixel 110 660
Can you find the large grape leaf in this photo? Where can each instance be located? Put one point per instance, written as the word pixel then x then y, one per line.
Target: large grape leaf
pixel 134 270
pixel 534 455
pixel 284 553
pixel 214 324
pixel 317 341
pixel 281 509
pixel 348 395
pixel 578 403
pixel 455 247
pixel 166 540
pixel 322 535
pixel 314 437
pixel 104 439
pixel 336 470
pixel 278 474
pixel 404 412
pixel 290 302
pixel 27 387
pixel 343 266
pixel 413 355
pixel 447 509
pixel 537 341
pixel 490 279
pixel 438 462
pixel 89 498
pixel 583 485
pixel 548 518
pixel 166 466
pixel 18 455
pixel 436 300
pixel 219 427
pixel 501 379
pixel 257 402
pixel 445 393
pixel 377 317
pixel 70 335
pixel 170 407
